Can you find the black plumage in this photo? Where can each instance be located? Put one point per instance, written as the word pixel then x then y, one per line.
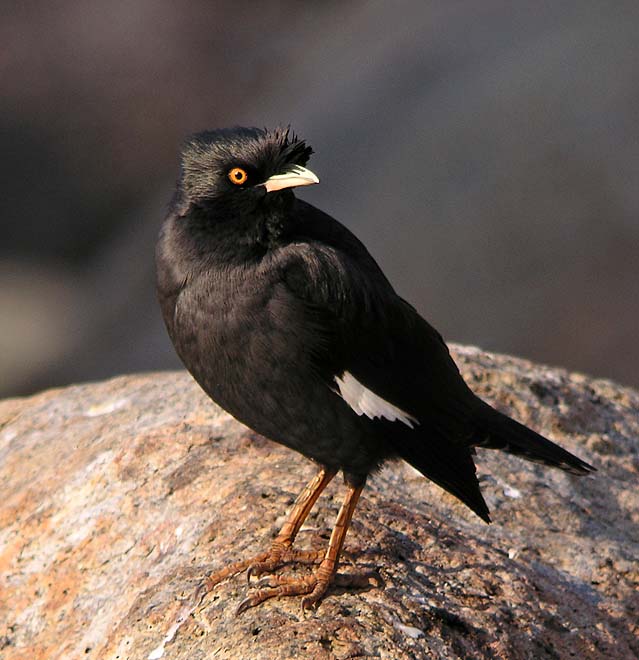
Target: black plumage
pixel 286 321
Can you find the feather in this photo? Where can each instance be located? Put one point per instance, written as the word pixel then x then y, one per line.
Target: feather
pixel 365 402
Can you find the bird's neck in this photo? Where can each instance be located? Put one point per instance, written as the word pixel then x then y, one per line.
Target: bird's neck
pixel 241 236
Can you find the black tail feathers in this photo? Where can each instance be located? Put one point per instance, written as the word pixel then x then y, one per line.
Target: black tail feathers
pixel 498 431
pixel 450 466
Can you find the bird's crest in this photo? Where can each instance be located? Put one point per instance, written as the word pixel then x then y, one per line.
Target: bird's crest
pixel 290 150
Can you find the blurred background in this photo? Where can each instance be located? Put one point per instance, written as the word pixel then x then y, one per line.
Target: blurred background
pixel 487 153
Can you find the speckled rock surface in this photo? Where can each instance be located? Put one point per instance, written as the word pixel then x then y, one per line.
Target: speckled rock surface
pixel 118 497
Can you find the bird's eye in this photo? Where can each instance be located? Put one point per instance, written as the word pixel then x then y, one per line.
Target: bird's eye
pixel 238 176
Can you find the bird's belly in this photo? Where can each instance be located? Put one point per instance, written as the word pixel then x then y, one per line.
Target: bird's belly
pixel 255 367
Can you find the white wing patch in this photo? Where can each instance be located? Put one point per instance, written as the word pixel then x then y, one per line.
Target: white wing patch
pixel 365 402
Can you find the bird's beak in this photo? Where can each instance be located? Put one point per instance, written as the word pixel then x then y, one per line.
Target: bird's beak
pixel 296 176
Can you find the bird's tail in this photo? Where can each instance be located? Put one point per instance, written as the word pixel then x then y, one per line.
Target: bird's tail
pixel 498 431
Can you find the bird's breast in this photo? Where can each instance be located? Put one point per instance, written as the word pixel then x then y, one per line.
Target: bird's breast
pixel 237 342
pixel 253 356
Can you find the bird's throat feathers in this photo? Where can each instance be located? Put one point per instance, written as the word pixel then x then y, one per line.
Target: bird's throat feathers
pixel 237 237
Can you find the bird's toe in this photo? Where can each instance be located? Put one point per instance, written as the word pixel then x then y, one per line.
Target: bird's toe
pixel 280 586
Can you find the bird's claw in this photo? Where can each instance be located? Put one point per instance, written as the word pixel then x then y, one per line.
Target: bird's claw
pixel 259 568
pixel 277 585
pixel 267 564
pixel 246 604
pixel 201 591
pixel 320 588
pixel 268 581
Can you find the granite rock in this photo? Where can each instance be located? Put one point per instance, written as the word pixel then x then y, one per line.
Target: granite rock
pixel 119 496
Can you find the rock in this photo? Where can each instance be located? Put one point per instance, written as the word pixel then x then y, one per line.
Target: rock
pixel 118 497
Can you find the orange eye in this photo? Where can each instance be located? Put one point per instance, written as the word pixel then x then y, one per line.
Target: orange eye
pixel 238 176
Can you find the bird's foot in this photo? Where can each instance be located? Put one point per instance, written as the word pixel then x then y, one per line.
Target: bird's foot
pixel 280 555
pixel 312 587
pixel 265 562
pixel 211 581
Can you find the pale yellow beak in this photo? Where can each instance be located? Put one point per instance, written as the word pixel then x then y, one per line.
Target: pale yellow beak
pixel 296 176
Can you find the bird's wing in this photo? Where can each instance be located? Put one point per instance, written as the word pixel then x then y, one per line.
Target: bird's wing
pixel 374 334
pixel 385 361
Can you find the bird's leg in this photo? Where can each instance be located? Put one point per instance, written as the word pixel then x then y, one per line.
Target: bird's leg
pixel 328 567
pixel 281 549
pixel 313 586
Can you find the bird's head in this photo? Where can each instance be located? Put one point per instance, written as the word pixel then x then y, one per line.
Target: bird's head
pixel 239 170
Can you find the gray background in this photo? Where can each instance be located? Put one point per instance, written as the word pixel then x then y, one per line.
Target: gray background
pixel 487 153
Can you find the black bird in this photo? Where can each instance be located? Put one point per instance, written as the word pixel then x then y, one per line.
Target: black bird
pixel 285 320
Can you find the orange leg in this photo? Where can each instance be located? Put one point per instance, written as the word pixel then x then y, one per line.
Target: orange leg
pixel 313 586
pixel 281 550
